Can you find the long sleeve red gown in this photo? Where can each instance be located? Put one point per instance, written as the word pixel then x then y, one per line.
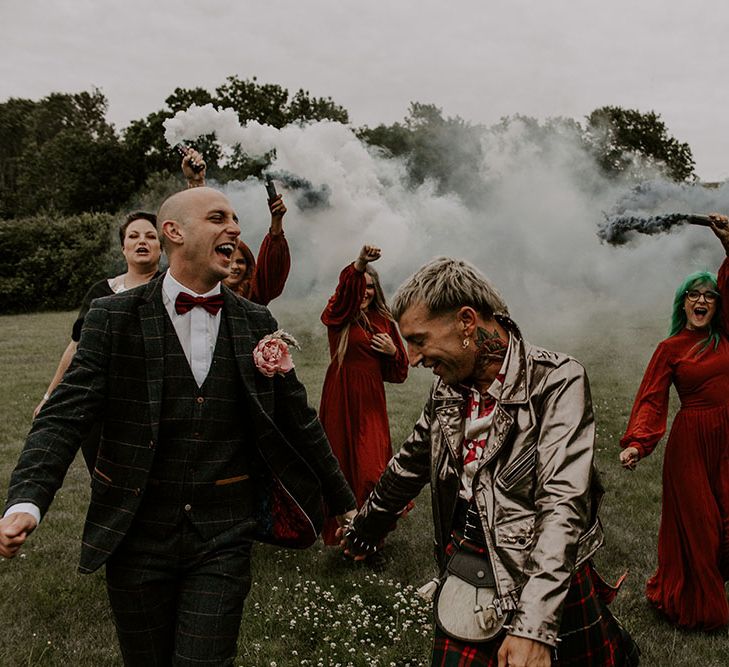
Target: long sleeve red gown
pixel 272 270
pixel 353 410
pixel 693 540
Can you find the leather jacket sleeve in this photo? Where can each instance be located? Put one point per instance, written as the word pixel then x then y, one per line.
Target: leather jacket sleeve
pixel 406 474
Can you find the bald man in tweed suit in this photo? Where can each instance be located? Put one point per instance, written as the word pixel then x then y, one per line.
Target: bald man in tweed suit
pixel 201 453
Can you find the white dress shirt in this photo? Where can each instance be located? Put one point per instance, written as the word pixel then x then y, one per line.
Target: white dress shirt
pixel 197 331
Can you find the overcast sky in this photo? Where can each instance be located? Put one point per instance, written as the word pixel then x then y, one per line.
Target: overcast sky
pixel 480 59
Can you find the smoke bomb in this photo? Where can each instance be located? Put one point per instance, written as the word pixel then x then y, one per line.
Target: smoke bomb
pixel 534 203
pixel 617 230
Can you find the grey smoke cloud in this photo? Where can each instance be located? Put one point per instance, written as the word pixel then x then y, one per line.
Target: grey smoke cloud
pixel 532 229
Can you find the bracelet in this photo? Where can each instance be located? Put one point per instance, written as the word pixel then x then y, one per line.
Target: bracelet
pixel 46 396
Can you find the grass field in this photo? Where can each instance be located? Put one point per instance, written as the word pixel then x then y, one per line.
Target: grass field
pixel 312 607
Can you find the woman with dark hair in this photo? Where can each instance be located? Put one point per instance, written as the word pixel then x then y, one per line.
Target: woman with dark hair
pixel 693 540
pixel 366 351
pixel 141 249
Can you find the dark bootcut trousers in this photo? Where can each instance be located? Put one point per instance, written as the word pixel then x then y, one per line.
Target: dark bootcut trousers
pixel 178 599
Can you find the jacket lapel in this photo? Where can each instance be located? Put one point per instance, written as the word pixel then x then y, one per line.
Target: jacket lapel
pixel 449 413
pixel 513 392
pixel 243 343
pixel 151 316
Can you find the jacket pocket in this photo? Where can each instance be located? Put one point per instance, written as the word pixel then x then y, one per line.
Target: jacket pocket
pixel 515 534
pixel 518 468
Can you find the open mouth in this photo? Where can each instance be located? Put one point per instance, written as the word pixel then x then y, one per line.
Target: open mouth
pixel 701 311
pixel 225 249
pixel 142 251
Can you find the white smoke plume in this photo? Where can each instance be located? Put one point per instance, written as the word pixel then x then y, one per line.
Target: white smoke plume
pixel 531 228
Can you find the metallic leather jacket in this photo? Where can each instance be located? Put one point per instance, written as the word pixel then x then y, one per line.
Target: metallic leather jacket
pixel 536 490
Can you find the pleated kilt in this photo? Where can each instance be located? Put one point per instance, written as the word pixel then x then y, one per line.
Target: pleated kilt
pixel 590 636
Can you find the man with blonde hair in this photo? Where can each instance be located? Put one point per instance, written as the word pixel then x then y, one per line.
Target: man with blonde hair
pixel 506 441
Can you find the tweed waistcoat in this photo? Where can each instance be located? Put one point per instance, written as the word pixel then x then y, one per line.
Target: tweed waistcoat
pixel 201 467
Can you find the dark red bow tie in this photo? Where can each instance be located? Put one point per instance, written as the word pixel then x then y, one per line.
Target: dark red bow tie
pixel 185 302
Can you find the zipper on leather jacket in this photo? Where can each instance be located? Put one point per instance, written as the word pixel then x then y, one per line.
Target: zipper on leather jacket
pixel 518 468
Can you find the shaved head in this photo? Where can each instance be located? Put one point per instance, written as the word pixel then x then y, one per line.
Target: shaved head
pixel 176 206
pixel 200 231
pixel 181 207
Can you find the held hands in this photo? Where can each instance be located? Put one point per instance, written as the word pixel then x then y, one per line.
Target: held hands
pixel 522 652
pixel 629 458
pixel 381 342
pixel 345 521
pixel 194 168
pixel 14 530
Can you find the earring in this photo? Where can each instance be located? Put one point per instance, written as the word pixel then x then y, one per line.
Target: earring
pixel 466 342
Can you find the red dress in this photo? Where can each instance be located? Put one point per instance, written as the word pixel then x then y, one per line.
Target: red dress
pixel 353 409
pixel 693 540
pixel 271 270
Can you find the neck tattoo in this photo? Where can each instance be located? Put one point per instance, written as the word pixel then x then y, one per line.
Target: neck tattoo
pixel 491 348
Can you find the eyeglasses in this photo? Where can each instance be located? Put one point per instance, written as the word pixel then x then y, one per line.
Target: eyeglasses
pixel 693 295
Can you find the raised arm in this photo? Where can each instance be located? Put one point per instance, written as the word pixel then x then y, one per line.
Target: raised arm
pixel 193 168
pixel 345 303
pixel 720 226
pixel 274 260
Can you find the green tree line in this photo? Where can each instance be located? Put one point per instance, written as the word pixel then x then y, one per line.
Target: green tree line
pixel 61 155
pixel 65 171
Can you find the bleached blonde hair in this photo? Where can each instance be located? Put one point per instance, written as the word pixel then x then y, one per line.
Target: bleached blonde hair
pixel 444 285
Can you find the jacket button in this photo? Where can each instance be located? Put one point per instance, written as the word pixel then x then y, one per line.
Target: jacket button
pixel 522 540
pixel 151 444
pixel 188 507
pixel 200 399
pixel 480 574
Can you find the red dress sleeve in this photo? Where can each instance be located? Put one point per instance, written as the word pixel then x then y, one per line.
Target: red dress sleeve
pixel 647 423
pixel 272 269
pixel 344 305
pixel 722 281
pixel 395 368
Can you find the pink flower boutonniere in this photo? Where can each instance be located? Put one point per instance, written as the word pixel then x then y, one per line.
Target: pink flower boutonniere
pixel 272 354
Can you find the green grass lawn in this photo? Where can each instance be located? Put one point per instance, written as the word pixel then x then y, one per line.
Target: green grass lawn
pixel 313 607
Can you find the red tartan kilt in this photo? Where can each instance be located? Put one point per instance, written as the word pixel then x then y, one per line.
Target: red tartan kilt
pixel 590 636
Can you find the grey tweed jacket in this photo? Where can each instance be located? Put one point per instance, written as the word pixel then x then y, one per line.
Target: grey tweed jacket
pixel 116 377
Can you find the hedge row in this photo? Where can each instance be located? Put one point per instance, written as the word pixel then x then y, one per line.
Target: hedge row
pixel 49 263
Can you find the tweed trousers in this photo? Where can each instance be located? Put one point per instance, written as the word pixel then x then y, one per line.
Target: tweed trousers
pixel 179 600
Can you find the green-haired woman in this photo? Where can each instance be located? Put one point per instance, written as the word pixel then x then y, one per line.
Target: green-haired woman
pixel 693 540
